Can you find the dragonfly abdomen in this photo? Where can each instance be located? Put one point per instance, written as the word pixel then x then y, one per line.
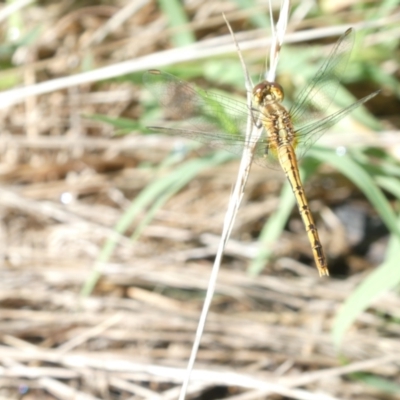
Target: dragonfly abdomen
pixel 287 159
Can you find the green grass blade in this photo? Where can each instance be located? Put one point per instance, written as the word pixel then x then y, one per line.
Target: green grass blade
pixel 125 124
pixel 176 15
pixel 390 184
pixel 15 25
pixel 378 383
pixel 358 175
pixel 273 229
pixel 153 196
pixel 260 19
pixel 387 275
pixel 180 178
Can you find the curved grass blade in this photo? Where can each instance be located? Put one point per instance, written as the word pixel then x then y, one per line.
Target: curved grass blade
pixel 273 229
pixel 162 188
pixel 177 18
pixel 360 177
pixel 387 275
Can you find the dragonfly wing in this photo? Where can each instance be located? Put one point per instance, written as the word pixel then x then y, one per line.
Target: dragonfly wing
pixel 225 142
pixel 309 134
pixel 207 117
pixel 199 108
pixel 317 96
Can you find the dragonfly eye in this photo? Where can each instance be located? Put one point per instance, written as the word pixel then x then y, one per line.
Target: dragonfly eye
pixel 277 91
pixel 266 92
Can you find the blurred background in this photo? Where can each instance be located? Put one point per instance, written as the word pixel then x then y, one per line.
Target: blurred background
pixel 109 231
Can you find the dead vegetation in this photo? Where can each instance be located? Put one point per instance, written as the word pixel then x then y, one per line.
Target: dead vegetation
pixel 66 181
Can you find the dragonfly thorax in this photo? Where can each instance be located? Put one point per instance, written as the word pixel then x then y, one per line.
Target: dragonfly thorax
pixel 267 92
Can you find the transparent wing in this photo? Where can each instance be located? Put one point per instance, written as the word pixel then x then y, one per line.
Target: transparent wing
pixel 309 112
pixel 204 116
pixel 314 100
pixel 221 122
pixel 309 134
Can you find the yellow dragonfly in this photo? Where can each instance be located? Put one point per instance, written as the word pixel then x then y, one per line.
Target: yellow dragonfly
pixel 221 122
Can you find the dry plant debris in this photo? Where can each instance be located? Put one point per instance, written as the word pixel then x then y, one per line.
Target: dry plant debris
pixel 267 337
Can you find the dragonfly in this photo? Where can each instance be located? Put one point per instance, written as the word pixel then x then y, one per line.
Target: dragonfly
pixel 220 122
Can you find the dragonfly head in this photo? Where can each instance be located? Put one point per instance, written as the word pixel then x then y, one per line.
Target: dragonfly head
pixel 267 92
